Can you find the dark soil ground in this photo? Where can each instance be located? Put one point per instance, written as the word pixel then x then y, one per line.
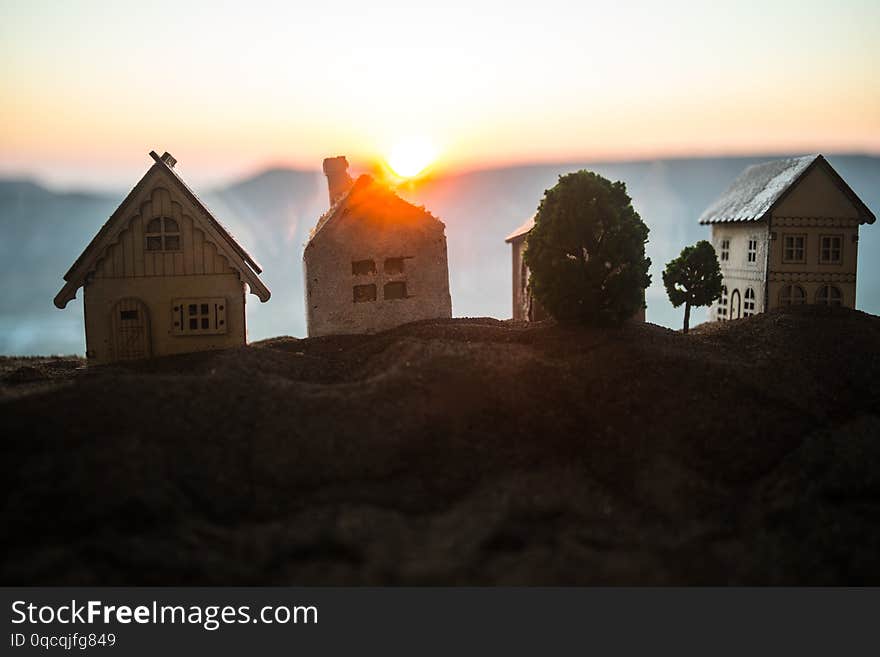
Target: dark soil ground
pixel 467 451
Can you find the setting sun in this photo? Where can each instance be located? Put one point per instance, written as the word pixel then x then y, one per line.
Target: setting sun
pixel 410 157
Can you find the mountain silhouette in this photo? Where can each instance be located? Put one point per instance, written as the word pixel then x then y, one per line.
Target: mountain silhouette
pixel 272 213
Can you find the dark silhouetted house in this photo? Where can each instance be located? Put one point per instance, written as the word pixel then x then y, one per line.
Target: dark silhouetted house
pixel 373 261
pixel 786 232
pixel 162 276
pixel 525 306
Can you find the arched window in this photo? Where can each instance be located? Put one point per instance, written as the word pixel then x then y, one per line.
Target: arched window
pixel 735 304
pixel 722 304
pixel 792 295
pixel 749 302
pixel 162 234
pixel 829 295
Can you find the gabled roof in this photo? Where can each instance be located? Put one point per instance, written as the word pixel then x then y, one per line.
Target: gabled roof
pixel 759 189
pixel 364 190
pixel 85 263
pixel 238 248
pixel 522 230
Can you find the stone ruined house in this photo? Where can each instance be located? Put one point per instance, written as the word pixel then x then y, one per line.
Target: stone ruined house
pixel 162 275
pixel 786 232
pixel 525 306
pixel 373 261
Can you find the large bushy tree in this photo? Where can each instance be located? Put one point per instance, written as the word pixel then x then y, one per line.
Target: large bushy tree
pixel 693 278
pixel 586 252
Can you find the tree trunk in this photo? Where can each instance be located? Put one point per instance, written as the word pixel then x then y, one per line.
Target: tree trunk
pixel 687 315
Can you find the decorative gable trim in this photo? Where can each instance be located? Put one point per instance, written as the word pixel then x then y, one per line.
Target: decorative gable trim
pixel 865 214
pixel 109 234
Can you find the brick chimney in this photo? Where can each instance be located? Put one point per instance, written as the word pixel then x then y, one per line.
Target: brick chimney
pixel 338 180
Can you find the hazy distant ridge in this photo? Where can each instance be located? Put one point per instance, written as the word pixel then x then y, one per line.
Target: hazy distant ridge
pixel 272 212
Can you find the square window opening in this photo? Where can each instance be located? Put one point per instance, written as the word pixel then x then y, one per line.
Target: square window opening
pixel 363 267
pixel 395 290
pixel 830 249
pixel 793 248
pixel 394 265
pixel 362 293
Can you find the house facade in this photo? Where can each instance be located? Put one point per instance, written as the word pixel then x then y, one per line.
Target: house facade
pixel 786 233
pixel 525 306
pixel 373 261
pixel 162 275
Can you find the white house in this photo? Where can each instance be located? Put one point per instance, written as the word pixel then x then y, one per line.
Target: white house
pixel 786 232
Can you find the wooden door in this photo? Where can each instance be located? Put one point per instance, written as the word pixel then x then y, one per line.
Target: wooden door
pixel 131 330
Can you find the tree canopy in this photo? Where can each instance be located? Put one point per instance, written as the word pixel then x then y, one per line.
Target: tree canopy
pixel 693 278
pixel 586 252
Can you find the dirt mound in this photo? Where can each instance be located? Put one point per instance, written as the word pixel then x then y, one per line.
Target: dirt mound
pixel 460 451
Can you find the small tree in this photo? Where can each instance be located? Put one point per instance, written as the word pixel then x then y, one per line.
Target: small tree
pixel 693 278
pixel 586 252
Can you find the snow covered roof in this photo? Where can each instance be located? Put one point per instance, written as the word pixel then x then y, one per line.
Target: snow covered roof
pixel 756 190
pixel 761 186
pixel 522 230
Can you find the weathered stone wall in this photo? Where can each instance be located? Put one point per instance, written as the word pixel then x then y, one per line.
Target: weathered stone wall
pixel 328 260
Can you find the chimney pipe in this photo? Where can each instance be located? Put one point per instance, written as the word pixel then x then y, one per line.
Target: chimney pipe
pixel 338 180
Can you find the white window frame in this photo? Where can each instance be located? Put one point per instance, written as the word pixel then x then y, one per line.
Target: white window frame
pixel 749 302
pixel 723 304
pixel 752 252
pixel 725 249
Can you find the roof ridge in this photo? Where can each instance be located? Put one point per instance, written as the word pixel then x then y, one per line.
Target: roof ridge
pixel 224 231
pixel 76 275
pixel 757 189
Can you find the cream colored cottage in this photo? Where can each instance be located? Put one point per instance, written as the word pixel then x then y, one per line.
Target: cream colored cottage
pixel 786 232
pixel 373 261
pixel 162 276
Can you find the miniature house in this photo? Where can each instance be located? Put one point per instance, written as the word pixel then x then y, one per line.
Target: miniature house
pixel 162 276
pixel 373 261
pixel 525 306
pixel 786 232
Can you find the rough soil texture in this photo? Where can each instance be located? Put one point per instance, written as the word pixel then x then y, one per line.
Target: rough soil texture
pixel 466 451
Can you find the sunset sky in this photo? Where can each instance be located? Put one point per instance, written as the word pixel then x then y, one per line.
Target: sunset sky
pixel 87 88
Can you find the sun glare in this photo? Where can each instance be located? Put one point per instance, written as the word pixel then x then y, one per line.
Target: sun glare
pixel 410 157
